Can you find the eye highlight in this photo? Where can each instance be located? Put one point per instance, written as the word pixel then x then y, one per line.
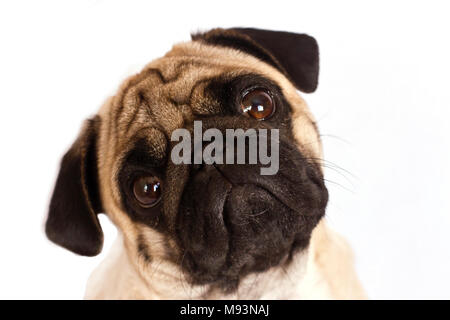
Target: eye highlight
pixel 147 191
pixel 258 104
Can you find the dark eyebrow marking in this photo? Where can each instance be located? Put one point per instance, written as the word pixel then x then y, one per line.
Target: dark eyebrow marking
pixel 144 156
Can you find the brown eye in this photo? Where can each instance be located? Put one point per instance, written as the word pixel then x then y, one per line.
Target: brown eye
pixel 147 191
pixel 258 104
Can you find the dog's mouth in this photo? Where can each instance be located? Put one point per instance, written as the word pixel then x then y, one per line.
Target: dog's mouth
pixel 233 221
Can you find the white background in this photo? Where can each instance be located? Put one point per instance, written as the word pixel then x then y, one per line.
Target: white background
pixel 382 106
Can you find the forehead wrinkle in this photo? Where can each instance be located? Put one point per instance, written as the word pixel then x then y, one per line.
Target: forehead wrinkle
pixel 178 96
pixel 174 70
pixel 129 86
pixel 188 74
pixel 169 101
pixel 158 107
pixel 131 107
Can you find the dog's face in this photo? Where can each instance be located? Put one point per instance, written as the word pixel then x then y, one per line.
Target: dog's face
pixel 218 222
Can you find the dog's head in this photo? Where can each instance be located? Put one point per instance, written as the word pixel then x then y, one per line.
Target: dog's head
pixel 217 221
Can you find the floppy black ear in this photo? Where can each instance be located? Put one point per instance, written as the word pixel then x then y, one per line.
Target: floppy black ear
pixel 295 55
pixel 72 219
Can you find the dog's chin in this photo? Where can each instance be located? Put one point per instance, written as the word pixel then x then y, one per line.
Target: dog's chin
pixel 230 225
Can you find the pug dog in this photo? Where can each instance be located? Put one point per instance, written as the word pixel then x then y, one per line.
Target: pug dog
pixel 206 230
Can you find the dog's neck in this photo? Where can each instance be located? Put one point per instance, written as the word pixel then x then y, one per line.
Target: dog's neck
pixel 311 274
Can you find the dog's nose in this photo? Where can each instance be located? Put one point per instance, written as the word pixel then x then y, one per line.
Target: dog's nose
pixel 200 222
